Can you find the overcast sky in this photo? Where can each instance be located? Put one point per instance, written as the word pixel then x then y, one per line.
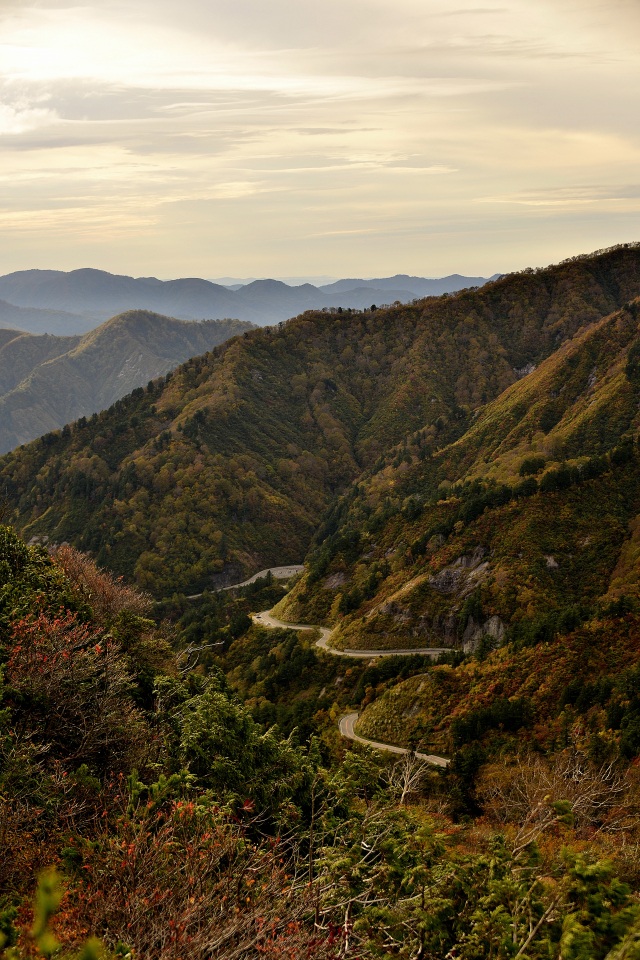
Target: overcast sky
pixel 290 137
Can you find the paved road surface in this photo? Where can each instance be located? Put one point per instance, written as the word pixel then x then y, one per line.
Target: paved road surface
pixel 347 729
pixel 265 619
pixel 278 573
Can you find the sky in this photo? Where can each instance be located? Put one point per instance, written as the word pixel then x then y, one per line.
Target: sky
pixel 290 138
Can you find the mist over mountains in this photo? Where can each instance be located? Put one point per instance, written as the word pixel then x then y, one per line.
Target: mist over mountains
pixel 52 301
pixel 36 320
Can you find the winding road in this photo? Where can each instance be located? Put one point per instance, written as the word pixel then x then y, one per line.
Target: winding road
pixel 347 726
pixel 265 619
pixel 278 573
pixel 347 723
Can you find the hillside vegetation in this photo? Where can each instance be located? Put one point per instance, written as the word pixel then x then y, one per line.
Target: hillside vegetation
pixel 172 824
pixel 533 509
pixel 227 465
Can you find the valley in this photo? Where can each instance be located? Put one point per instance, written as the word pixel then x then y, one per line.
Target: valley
pixel 348 722
pixel 415 731
pixel 319 480
pixel 230 462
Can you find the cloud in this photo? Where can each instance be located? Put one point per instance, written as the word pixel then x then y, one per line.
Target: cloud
pixel 570 196
pixel 20 119
pixel 259 132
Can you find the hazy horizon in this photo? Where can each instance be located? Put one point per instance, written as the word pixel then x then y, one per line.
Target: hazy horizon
pixel 286 140
pixel 317 281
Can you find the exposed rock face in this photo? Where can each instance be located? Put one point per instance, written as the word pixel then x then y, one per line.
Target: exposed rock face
pixel 458 580
pixel 454 582
pixel 412 711
pixel 474 632
pixel 525 371
pixel 231 574
pixel 462 575
pixel 432 616
pixel 334 581
pixel 443 628
pixel 396 611
pixel 447 581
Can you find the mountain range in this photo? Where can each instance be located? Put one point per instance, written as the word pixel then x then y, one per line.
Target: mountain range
pixel 52 301
pixel 228 465
pixel 48 381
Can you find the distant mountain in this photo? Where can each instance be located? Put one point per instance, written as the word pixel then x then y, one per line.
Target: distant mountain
pixel 69 303
pixel 236 282
pixel 46 381
pixel 278 296
pixel 415 286
pixel 35 320
pixel 21 353
pixel 232 462
pixel 101 295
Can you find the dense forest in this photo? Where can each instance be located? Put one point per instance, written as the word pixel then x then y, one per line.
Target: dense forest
pixel 458 542
pixel 461 473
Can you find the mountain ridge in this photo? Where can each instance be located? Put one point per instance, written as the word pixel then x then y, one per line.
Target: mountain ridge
pixel 419 286
pixel 261 436
pixel 46 381
pixel 89 296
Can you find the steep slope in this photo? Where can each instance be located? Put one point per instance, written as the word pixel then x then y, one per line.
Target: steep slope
pixel 21 352
pixel 577 689
pixel 229 465
pixel 456 544
pixel 47 381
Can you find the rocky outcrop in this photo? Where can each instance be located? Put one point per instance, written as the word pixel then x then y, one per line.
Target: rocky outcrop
pixel 435 619
pixel 521 372
pixel 334 581
pixel 461 576
pixel 474 632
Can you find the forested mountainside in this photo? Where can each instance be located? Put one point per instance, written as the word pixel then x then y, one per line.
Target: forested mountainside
pixel 227 465
pixel 532 510
pixel 46 382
